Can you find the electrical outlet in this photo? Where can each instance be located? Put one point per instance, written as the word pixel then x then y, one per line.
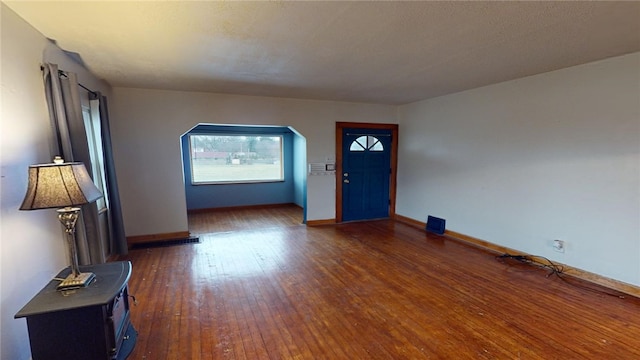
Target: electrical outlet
pixel 558 245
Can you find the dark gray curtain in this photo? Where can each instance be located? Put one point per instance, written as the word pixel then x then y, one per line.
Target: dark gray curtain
pixel 118 238
pixel 70 142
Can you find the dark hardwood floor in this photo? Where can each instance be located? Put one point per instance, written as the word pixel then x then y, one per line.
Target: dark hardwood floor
pixel 262 286
pixel 234 219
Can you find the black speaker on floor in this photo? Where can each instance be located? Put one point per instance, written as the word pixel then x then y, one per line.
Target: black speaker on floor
pixel 435 225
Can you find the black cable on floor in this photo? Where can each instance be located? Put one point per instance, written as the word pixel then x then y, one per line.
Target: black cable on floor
pixel 554 269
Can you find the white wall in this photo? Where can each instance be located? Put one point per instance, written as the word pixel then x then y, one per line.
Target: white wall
pixel 552 156
pixel 146 130
pixel 31 242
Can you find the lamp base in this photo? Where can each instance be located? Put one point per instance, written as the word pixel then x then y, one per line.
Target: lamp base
pixel 75 282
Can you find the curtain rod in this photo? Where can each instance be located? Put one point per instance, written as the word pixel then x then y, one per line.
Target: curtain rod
pixel 89 90
pixel 60 72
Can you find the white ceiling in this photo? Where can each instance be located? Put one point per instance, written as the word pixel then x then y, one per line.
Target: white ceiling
pixel 380 52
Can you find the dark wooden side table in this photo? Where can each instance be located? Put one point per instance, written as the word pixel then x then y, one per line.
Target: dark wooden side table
pixel 87 323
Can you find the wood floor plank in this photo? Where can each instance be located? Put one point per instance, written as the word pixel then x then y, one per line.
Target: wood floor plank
pixel 260 285
pixel 222 220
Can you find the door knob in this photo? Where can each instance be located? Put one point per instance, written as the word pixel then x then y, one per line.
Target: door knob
pixel 346 174
pixel 346 181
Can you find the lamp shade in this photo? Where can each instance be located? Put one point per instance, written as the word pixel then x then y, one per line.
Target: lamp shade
pixel 59 185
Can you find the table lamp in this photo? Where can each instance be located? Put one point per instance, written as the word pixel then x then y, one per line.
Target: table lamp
pixel 64 186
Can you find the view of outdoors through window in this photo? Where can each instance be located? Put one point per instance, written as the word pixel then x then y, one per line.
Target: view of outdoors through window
pixel 235 158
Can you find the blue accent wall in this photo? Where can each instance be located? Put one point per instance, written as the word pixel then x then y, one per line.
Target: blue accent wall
pixel 210 196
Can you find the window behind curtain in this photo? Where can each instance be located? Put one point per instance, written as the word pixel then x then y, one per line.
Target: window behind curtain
pixel 94 138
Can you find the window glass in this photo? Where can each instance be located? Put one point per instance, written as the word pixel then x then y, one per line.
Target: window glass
pixel 373 144
pixel 359 144
pixel 235 158
pixel 94 138
pixel 364 143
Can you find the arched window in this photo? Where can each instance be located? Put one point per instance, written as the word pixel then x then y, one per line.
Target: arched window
pixel 366 143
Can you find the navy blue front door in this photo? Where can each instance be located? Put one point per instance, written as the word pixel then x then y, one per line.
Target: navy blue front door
pixel 366 171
